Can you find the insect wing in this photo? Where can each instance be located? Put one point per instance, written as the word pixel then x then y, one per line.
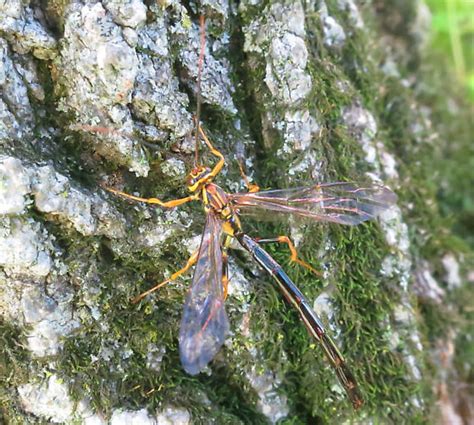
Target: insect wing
pixel 343 203
pixel 204 325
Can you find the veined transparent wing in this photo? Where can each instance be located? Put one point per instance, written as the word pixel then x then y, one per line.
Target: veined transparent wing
pixel 343 203
pixel 204 325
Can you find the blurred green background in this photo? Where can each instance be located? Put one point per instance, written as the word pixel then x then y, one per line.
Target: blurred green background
pixel 449 75
pixel 453 34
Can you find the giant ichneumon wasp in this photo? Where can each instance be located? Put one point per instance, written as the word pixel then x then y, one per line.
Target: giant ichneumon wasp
pixel 204 324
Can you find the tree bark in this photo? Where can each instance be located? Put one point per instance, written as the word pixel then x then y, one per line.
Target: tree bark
pixel 98 94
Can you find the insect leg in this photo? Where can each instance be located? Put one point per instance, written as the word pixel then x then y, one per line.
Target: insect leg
pixel 218 167
pixel 294 254
pixel 168 204
pixel 191 261
pixel 252 188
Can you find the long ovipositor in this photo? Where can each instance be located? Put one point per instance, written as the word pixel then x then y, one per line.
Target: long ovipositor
pixel 311 320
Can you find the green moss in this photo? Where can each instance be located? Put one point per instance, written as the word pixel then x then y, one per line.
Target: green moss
pixel 14 365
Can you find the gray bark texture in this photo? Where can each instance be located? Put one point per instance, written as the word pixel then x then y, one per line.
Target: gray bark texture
pixel 102 94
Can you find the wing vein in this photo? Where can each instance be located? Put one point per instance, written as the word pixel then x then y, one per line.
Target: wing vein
pixel 204 324
pixel 342 203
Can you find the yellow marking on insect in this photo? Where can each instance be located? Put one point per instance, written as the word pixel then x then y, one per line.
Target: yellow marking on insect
pixel 226 212
pixel 205 199
pixel 227 228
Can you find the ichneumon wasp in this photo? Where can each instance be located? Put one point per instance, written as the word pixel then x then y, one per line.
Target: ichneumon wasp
pixel 204 323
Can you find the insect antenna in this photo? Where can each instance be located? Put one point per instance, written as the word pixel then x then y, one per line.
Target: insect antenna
pixel 202 25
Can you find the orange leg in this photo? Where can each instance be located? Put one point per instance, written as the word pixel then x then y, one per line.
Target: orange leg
pixel 167 204
pixel 218 167
pixel 192 260
pixel 252 188
pixel 294 253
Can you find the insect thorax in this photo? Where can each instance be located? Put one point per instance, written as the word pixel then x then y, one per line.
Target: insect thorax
pixel 198 177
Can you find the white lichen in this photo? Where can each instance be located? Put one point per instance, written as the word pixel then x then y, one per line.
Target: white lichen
pixel 216 86
pixel 15 108
pixel 48 318
pixel 53 194
pixel 97 69
pixel 14 186
pixel 157 99
pixel 322 305
pixel 334 35
pixel 173 168
pixel 278 40
pixel 173 416
pixel 128 13
pixel 154 357
pixel 426 286
pixel 168 416
pixel 281 40
pixel 18 24
pixel 270 402
pixel 300 127
pixel 451 266
pixel 49 400
pixel 353 12
pixel 25 247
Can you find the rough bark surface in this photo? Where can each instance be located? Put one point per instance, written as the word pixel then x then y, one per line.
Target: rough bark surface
pixel 95 93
